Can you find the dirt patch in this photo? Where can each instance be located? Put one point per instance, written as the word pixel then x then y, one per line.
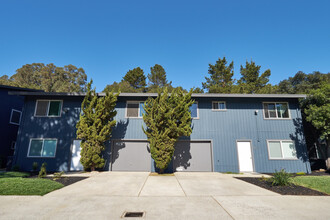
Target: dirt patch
pixel 67 180
pixel 283 190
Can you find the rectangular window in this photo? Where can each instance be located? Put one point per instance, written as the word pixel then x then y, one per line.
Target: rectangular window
pixel 194 110
pixel 219 106
pixel 282 149
pixel 15 117
pixel 276 110
pixel 51 108
pixel 134 109
pixel 42 148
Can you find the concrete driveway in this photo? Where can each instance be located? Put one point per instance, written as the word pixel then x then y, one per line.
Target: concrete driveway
pixel 108 195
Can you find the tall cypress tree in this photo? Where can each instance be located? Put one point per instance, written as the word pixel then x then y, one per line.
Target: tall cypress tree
pixel 94 126
pixel 166 118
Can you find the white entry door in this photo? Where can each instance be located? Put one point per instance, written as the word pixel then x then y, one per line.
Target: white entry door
pixel 75 157
pixel 245 156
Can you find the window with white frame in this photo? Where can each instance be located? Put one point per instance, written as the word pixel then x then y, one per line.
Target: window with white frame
pixel 194 110
pixel 281 149
pixel 276 110
pixel 219 106
pixel 15 117
pixel 42 147
pixel 134 109
pixel 50 108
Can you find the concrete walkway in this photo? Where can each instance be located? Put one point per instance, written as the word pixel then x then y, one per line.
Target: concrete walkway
pixel 108 195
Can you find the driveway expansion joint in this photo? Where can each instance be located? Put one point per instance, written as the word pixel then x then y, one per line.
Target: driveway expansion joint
pixel 222 207
pixel 143 185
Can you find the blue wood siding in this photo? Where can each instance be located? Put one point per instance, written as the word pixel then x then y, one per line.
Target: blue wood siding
pixel 223 128
pixel 8 131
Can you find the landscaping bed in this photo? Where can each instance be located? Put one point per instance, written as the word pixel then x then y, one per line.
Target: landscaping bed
pixel 66 180
pixel 20 183
pixel 291 189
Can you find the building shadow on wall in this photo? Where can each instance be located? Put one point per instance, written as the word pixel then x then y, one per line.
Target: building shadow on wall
pixel 112 152
pixel 299 140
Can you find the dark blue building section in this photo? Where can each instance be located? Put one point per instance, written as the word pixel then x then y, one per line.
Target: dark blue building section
pixel 10 118
pixel 231 132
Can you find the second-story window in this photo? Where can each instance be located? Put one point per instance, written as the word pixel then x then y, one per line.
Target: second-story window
pixel 276 110
pixel 50 108
pixel 134 109
pixel 219 106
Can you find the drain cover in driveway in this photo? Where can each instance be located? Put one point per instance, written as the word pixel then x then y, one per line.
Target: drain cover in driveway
pixel 133 214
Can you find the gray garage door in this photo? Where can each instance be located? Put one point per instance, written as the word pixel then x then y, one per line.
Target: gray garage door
pixel 130 156
pixel 192 156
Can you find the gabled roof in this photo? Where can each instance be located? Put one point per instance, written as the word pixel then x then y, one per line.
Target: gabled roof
pixel 194 95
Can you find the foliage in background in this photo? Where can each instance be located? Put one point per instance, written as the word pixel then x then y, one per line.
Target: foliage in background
pixel 302 83
pixel 43 170
pixel 49 78
pixel 136 78
pixel 317 110
pixel 221 77
pixel 95 126
pixel 157 78
pixel 167 117
pixel 251 81
pixel 281 178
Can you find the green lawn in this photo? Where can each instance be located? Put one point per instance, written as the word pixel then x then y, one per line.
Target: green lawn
pixel 320 183
pixel 13 174
pixel 12 183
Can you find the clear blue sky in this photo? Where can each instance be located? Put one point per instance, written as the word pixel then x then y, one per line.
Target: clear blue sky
pixel 107 38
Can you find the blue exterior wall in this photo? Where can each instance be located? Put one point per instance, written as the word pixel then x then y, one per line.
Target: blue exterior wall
pixel 8 131
pixel 223 128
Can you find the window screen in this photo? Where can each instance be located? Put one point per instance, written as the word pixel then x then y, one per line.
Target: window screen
pixel 132 109
pixel 193 110
pixel 42 108
pixel 15 117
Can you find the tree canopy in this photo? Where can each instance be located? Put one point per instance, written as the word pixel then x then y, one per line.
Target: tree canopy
pixel 221 77
pixel 302 83
pixel 49 78
pixel 251 81
pixel 157 77
pixel 136 78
